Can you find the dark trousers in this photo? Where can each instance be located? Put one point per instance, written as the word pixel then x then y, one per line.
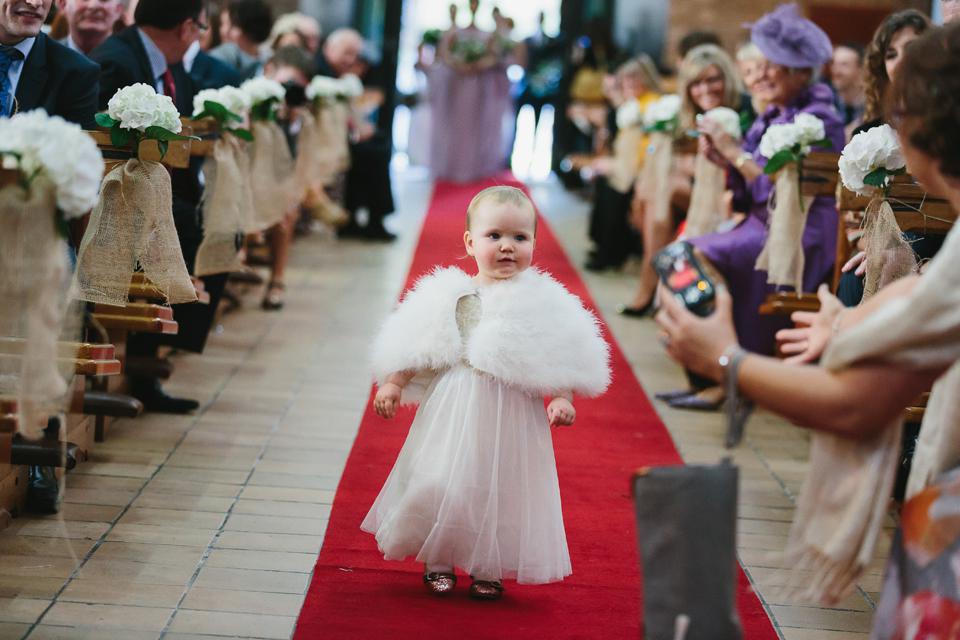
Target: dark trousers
pixel 613 237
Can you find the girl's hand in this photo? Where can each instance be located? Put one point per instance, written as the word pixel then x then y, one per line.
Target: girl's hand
pixel 560 412
pixel 387 400
pixel 697 343
pixel 806 344
pixel 859 261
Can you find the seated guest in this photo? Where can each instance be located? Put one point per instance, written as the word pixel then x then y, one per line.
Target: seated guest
pixel 90 22
pixel 151 52
pixel 292 67
pixel 295 29
pixel 794 48
pixel 846 75
pixel 708 79
pixel 368 179
pixel 208 72
pixel 883 58
pixel 245 25
pixel 38 72
pixel 880 356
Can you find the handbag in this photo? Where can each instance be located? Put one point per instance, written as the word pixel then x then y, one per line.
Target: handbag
pixel 686 530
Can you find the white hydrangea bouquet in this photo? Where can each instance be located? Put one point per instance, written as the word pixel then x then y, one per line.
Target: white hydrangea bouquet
pixel 265 96
pixel 707 211
pixel 867 165
pixel 871 160
pixel 229 106
pixel 35 144
pixel 663 115
pixel 136 113
pixel 351 87
pixel 785 146
pixel 56 170
pixel 629 114
pixel 325 88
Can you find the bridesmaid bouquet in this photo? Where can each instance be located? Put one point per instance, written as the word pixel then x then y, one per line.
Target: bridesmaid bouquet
pixel 469 50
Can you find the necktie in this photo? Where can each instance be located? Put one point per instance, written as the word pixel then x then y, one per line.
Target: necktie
pixel 169 86
pixel 8 55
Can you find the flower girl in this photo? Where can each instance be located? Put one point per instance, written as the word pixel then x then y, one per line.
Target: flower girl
pixel 475 486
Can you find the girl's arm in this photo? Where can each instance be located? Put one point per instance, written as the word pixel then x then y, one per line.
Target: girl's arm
pixel 560 411
pixel 856 403
pixel 387 400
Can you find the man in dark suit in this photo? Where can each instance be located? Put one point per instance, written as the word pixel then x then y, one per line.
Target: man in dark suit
pixel 542 70
pixel 90 22
pixel 151 52
pixel 208 72
pixel 368 179
pixel 37 72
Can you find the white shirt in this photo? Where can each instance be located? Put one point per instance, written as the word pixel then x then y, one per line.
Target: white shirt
pixel 191 55
pixel 25 46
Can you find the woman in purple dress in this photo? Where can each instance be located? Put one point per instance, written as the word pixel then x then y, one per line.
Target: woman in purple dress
pixel 794 48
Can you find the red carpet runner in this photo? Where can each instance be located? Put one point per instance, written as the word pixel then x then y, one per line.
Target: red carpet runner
pixel 355 593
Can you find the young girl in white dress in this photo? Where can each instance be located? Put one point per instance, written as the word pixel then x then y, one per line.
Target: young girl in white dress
pixel 475 486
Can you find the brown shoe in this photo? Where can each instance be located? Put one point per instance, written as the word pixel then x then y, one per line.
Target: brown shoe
pixel 486 589
pixel 440 584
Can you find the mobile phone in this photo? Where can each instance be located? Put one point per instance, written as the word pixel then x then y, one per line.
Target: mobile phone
pixel 682 274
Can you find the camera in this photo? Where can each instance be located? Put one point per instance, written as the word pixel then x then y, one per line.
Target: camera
pixel 296 96
pixel 682 273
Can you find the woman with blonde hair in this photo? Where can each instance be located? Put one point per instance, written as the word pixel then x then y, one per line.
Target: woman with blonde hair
pixel 708 79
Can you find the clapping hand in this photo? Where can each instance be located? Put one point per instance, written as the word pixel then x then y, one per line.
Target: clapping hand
pixel 806 344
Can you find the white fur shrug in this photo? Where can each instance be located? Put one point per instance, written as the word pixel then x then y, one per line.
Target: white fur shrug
pixel 533 334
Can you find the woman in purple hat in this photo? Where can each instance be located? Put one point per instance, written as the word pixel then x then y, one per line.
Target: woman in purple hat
pixel 794 48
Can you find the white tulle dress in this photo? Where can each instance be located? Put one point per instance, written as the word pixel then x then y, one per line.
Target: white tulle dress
pixel 475 485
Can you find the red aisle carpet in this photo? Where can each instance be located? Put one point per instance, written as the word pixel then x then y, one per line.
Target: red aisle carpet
pixel 355 593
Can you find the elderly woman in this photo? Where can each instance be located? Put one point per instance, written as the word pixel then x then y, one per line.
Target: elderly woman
pixel 794 48
pixel 879 357
pixel 708 79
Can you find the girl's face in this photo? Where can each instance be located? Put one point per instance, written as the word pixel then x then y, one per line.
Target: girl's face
pixel 708 88
pixel 894 52
pixel 500 239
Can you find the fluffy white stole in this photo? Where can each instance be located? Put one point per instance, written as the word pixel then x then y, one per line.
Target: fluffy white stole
pixel 533 334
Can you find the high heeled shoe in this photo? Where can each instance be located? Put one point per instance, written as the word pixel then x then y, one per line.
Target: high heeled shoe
pixel 637 312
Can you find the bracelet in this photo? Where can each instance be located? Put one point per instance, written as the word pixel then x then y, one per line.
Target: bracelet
pixel 737 410
pixel 741 159
pixel 835 329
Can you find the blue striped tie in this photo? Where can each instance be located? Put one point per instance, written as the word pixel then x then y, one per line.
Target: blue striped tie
pixel 8 55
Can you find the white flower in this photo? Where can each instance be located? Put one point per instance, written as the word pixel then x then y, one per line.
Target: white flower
pixel 232 99
pixel 59 149
pixel 351 86
pixel 810 127
pixel 262 89
pixel 866 152
pixel 779 137
pixel 629 114
pixel 140 106
pixel 322 87
pixel 726 118
pixel 664 109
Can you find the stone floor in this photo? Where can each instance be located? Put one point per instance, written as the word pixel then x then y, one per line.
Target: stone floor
pixel 208 526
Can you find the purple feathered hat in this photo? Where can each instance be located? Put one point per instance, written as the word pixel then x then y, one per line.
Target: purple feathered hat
pixel 786 37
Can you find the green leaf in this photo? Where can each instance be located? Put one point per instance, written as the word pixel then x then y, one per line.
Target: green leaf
pixel 159 133
pixel 897 172
pixel 104 120
pixel 876 178
pixel 218 112
pixel 243 134
pixel 162 145
pixel 779 159
pixel 61 224
pixel 120 137
pixel 825 143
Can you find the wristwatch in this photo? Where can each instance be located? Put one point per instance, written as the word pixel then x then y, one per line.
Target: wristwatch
pixel 742 158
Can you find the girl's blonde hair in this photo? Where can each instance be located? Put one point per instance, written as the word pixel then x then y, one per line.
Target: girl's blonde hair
pixel 697 61
pixel 641 66
pixel 502 195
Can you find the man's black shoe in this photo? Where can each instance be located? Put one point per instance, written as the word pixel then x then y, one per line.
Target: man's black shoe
pixel 379 233
pixel 43 491
pixel 350 230
pixel 157 400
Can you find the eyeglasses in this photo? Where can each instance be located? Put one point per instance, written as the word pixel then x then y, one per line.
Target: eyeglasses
pixel 200 25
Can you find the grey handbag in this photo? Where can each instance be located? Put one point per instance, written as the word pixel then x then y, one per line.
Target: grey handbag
pixel 687 528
